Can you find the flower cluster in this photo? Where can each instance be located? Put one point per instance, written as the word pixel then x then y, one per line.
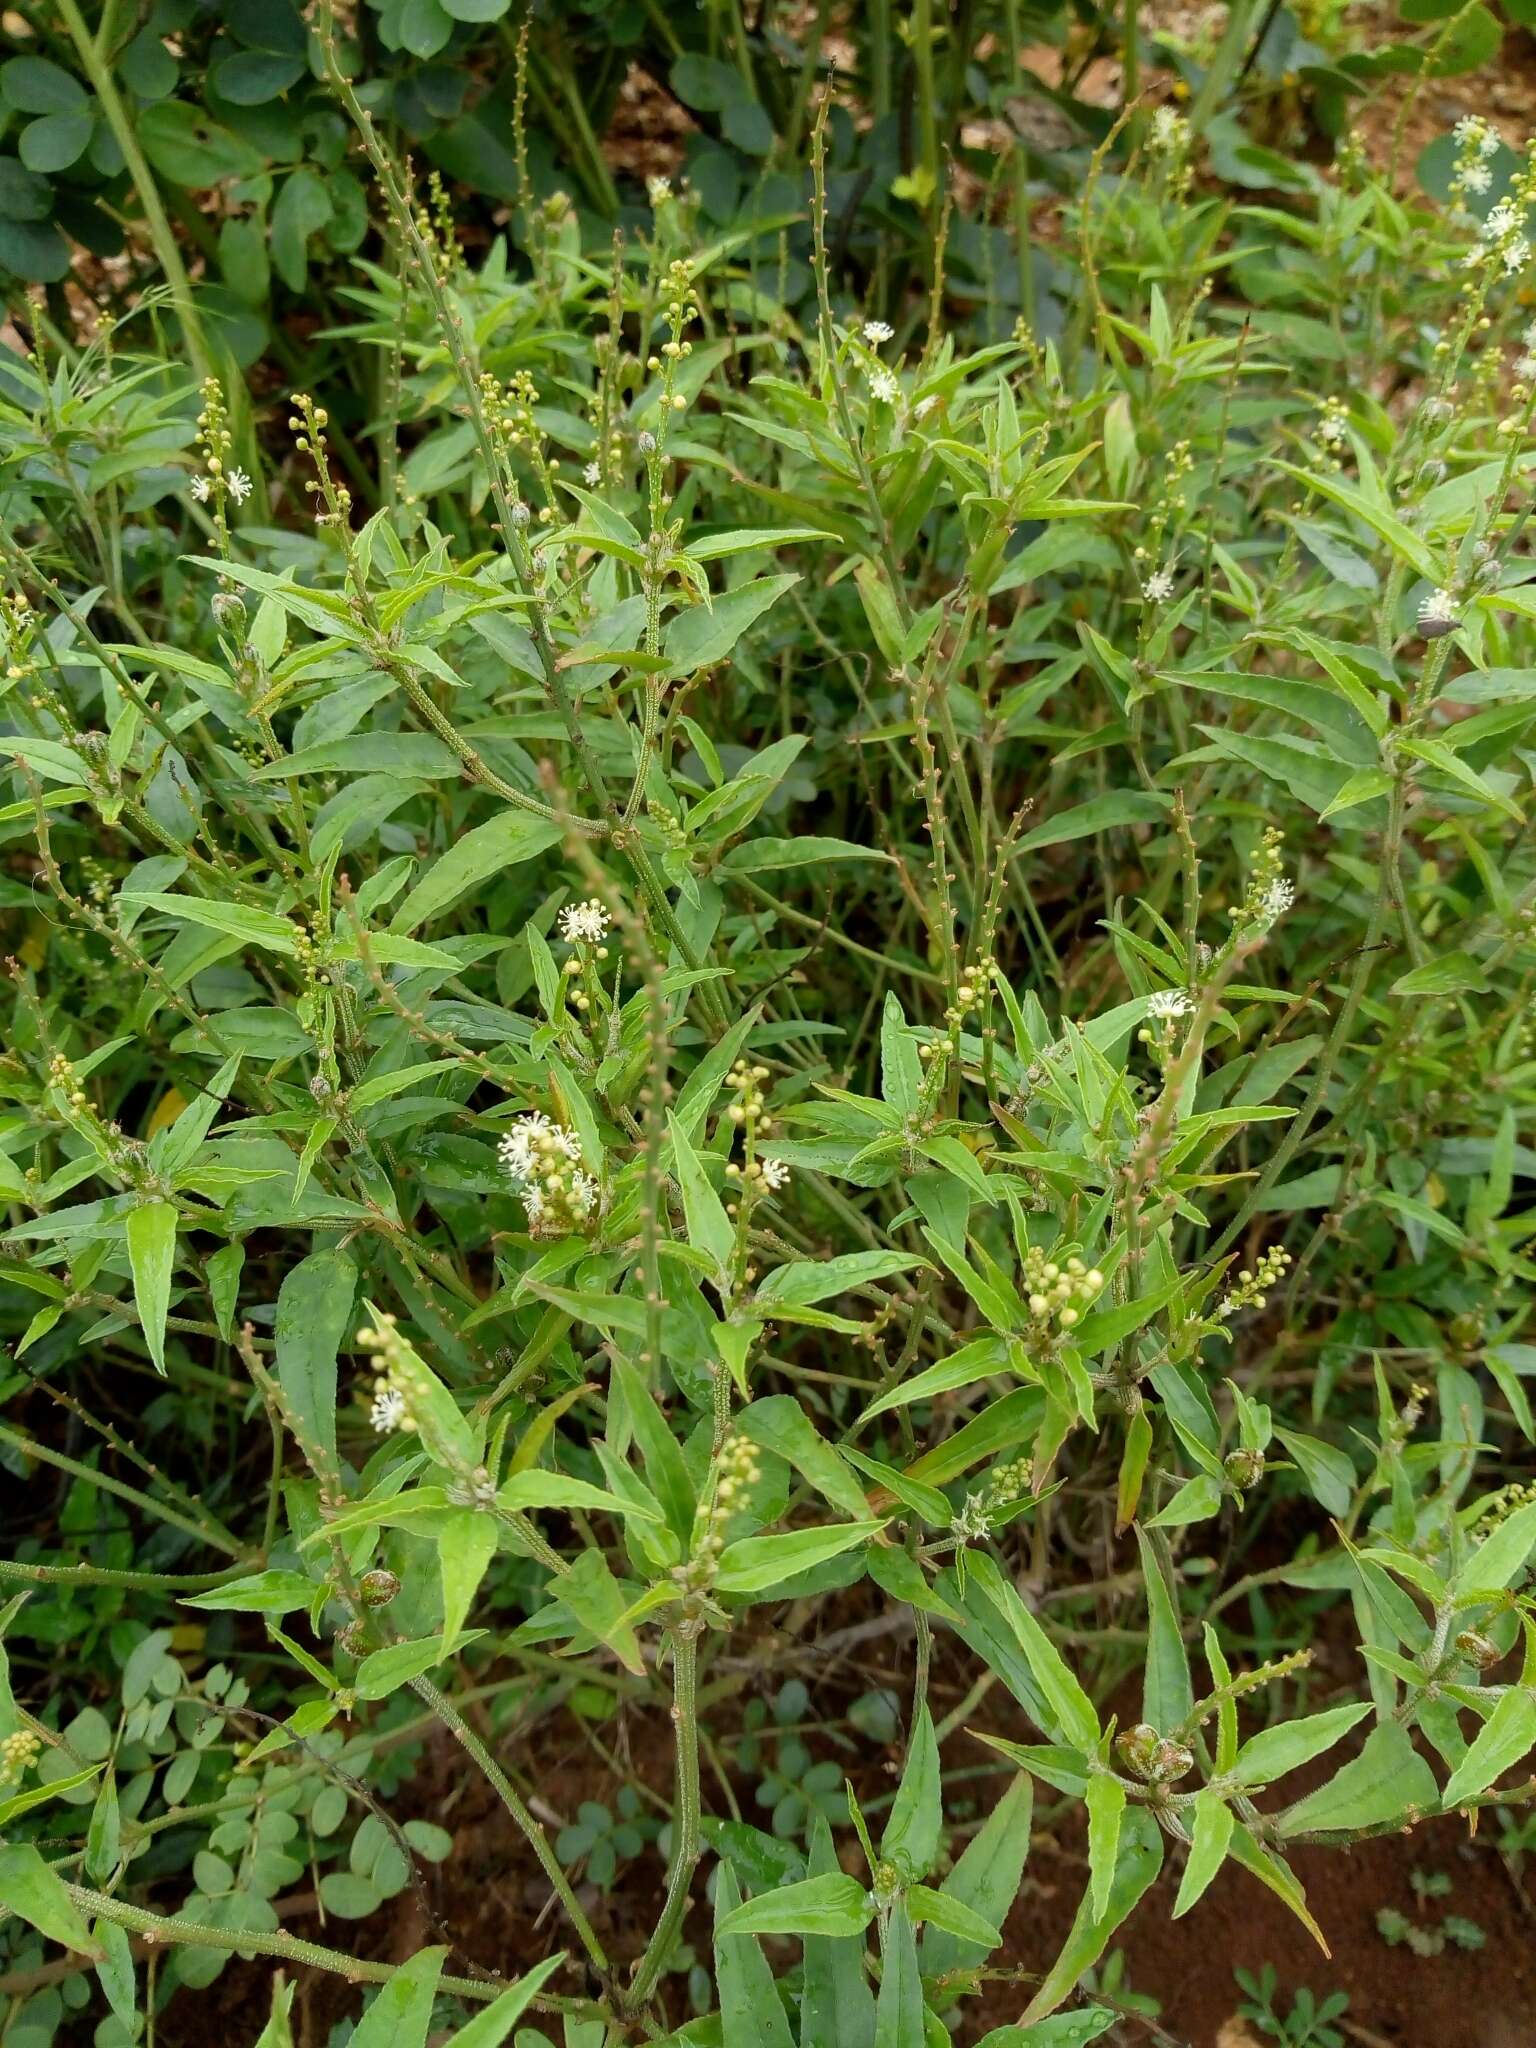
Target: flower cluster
pixel 584 924
pixel 1005 1483
pixel 397 1382
pixel 544 1161
pixel 1476 141
pixel 18 1752
pixel 307 422
pixel 1158 587
pixel 1253 1284
pixel 1332 423
pixel 883 384
pixel 1165 1004
pixel 1270 892
pixel 220 480
pixel 736 1470
pixel 1438 614
pixel 1058 1292
pixel 1502 235
pixel 1501 1505
pixel 749 1113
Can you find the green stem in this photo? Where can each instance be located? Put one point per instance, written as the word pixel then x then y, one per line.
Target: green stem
pixel 167 251
pixel 158 1927
pixel 214 1535
pixel 530 1829
pixel 685 1820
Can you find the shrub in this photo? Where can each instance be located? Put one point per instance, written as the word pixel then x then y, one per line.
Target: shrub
pixel 764 974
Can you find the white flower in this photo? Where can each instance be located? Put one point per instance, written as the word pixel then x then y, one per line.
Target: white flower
pixel 1525 368
pixel 1473 132
pixel 583 1193
pixel 1330 426
pixel 884 385
pixel 924 406
pixel 388 1410
pixel 657 189
pixel 1168 1003
pixel 775 1174
pixel 1516 255
pixel 1501 220
pixel 1277 900
pixel 1158 586
pixel 533 1201
pixel 1476 178
pixel 516 1147
pixel 586 923
pixel 593 473
pixel 240 485
pixel 201 486
pixel 1169 129
pixel 876 331
pixel 1438 615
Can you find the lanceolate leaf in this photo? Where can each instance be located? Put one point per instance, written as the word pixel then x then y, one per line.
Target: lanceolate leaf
pixel 151 1232
pixel 1139 1859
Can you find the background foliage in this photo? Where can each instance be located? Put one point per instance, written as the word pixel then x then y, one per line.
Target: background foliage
pixel 761 889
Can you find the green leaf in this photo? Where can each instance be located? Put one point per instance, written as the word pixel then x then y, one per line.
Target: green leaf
pixel 1329 1473
pixel 1501 1557
pixel 489 849
pixel 781 1425
pixel 241 921
pixel 385 1671
pixel 1290 1744
pixel 980 1360
pixel 540 1489
pixel 911 1839
pixel 269 1592
pixel 709 1228
pixel 704 634
pixel 719 545
pixel 35 1893
pixel 1196 1500
pixel 900 2014
pixel 834 1905
pixel 466 1543
pixel 54 141
pixel 1076 1722
pixel 1073 2029
pixel 985 1879
pixel 188 148
pixel 929 1908
pixel 1140 1859
pixel 489 2028
pixel 806 1280
pixel 1212 1833
pixel 1401 539
pixel 751 2015
pixel 151 1234
pixel 1507 1736
pixel 401 2011
pixel 758 856
pixel 1099 814
pixel 757 1563
pixel 36 85
pixel 314 1314
pixel 1106 1811
pixel 1388 1781
pixel 1167 1695
pixel 836 2003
